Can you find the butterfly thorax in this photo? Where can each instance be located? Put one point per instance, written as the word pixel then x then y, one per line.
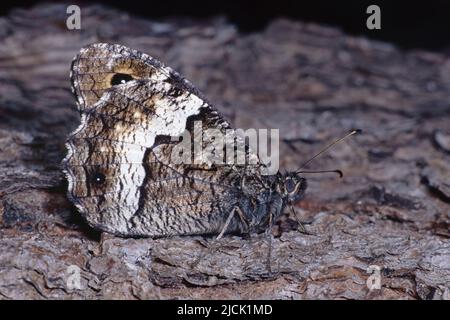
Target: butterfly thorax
pixel 265 197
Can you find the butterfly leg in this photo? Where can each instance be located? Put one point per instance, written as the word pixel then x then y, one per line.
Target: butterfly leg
pixel 227 223
pixel 213 246
pixel 269 237
pixel 238 211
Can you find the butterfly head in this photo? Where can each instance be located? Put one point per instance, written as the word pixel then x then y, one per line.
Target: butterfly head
pixel 293 186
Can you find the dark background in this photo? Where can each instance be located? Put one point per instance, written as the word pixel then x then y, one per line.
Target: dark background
pixel 424 24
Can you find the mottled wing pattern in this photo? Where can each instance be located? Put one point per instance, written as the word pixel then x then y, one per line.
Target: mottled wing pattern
pixel 119 166
pixel 100 66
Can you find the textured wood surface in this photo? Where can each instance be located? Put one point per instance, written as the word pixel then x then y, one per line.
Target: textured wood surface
pixel 391 209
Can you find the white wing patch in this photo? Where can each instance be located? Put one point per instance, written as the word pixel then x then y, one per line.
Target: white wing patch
pixel 126 143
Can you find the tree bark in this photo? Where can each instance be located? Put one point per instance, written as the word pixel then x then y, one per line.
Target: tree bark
pixel 390 210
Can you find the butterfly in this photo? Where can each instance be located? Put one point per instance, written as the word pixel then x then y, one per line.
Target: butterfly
pixel 118 165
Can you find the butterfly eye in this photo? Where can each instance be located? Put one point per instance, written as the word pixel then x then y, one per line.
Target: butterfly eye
pixel 98 178
pixel 120 78
pixel 290 185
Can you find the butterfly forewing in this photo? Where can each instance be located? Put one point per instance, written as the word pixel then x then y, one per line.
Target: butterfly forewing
pixel 120 166
pixel 100 66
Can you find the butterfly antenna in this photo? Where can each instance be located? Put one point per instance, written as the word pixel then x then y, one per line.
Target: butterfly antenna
pixel 301 227
pixel 337 171
pixel 351 133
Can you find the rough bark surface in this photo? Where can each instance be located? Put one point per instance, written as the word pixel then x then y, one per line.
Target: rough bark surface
pixel 391 209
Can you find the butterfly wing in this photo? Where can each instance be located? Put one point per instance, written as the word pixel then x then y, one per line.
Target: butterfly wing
pixel 119 165
pixel 100 66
